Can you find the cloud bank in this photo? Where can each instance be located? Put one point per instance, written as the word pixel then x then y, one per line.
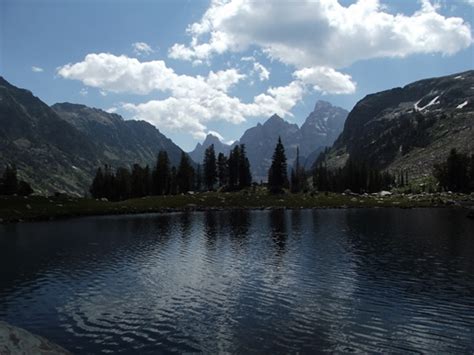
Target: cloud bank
pixel 321 36
pixel 318 40
pixel 193 100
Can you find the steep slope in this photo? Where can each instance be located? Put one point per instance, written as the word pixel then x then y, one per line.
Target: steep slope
pixel 49 153
pixel 198 153
pixel 322 127
pixel 412 127
pixel 58 150
pixel 118 141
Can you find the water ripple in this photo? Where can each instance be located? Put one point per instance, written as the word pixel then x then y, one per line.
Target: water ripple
pixel 245 282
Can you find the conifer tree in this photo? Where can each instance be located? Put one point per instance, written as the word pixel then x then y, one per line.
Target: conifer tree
pixel 234 158
pixel 10 184
pixel 161 174
pixel 10 180
pixel 210 167
pixel 185 174
pixel 222 169
pixel 198 182
pixel 298 175
pixel 471 173
pixel 173 181
pixel 277 174
pixel 245 177
pixel 123 184
pixel 453 174
pixel 140 181
pixel 97 186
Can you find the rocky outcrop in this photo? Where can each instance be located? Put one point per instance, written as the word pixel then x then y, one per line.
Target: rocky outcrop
pixel 322 127
pixel 410 128
pixel 14 340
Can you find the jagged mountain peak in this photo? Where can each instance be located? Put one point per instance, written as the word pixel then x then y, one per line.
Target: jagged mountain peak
pixel 274 119
pixel 211 139
pixel 322 104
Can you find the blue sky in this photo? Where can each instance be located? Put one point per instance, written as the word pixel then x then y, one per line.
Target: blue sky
pixel 193 67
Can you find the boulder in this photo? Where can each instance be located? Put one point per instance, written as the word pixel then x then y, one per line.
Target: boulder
pixel 14 340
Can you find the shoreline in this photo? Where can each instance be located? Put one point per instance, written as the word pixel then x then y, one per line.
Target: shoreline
pixel 37 208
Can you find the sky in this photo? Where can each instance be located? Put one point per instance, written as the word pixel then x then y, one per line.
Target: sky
pixel 193 67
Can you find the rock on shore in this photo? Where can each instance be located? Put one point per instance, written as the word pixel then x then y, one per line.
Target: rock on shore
pixel 14 340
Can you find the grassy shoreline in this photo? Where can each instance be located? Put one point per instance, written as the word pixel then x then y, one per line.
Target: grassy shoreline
pixel 37 208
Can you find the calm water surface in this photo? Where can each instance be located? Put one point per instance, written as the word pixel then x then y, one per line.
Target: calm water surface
pixel 379 280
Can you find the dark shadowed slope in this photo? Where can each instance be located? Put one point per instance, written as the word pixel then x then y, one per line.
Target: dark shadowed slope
pixel 58 149
pixel 412 127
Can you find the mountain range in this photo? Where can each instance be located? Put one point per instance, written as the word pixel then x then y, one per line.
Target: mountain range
pixel 411 128
pixel 319 130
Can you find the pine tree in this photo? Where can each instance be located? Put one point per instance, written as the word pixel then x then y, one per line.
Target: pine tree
pixel 198 182
pixel 141 181
pixel 173 181
pixel 123 184
pixel 245 177
pixel 320 178
pixel 277 175
pixel 10 184
pixel 10 180
pixel 210 167
pixel 161 174
pixel 297 175
pixel 453 174
pixel 234 159
pixel 24 189
pixel 222 169
pixel 97 187
pixel 185 174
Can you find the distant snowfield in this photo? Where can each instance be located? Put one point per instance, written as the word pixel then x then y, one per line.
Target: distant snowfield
pixel 431 103
pixel 462 105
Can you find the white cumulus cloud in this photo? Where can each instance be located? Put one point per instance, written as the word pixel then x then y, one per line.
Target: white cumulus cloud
pixel 192 101
pixel 36 69
pixel 322 34
pixel 327 80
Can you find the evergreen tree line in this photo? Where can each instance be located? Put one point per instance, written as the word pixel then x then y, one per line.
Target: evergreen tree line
pixel 456 174
pixel 11 185
pixel 163 179
pixel 355 176
pixel 230 173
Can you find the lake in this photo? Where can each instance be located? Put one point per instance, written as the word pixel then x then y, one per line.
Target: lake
pixel 277 281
